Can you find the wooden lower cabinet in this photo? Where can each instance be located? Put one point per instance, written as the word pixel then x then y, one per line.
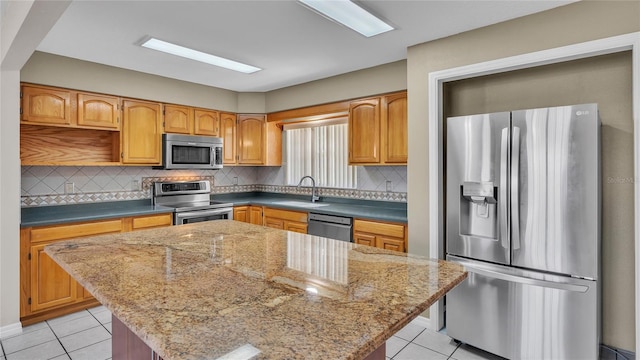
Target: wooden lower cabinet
pixel 248 213
pixel 295 221
pixel 47 290
pixel 385 235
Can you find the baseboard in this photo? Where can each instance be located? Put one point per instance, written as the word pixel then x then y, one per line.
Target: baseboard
pixel 422 321
pixel 10 330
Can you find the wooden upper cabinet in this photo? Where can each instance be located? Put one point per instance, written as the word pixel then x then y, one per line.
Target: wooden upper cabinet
pixel 251 139
pixel 378 130
pixel 43 105
pixel 178 119
pixel 228 134
pixel 364 131
pixel 98 111
pixel 394 128
pixel 142 129
pixel 207 122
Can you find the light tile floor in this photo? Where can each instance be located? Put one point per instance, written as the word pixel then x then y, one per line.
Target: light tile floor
pixel 87 335
pixel 78 336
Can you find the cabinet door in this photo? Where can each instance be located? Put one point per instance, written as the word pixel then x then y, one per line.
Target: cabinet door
pixel 274 223
pixel 295 227
pixel 228 134
pixel 364 239
pixel 141 132
pixel 241 213
pixel 388 243
pixel 394 129
pixel 99 111
pixel 207 122
pixel 255 215
pixel 364 131
pixel 83 294
pixel 177 119
pixel 251 139
pixel 51 286
pixel 47 106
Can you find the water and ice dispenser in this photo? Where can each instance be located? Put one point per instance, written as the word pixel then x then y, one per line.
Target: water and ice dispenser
pixel 479 209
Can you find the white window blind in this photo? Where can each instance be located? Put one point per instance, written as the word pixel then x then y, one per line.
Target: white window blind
pixel 320 151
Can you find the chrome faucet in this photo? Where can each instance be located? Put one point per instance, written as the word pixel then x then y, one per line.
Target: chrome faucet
pixel 314 196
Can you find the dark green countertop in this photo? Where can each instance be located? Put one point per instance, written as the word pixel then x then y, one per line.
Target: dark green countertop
pixel 60 214
pixel 362 209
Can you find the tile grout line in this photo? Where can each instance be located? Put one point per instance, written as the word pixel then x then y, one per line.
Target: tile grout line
pixel 57 338
pixel 410 342
pixel 454 351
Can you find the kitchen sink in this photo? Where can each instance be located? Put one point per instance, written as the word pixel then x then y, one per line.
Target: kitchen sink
pixel 300 204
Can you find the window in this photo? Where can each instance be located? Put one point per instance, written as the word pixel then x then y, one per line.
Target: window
pixel 320 150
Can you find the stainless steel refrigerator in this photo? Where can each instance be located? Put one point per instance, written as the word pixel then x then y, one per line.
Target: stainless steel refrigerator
pixel 523 216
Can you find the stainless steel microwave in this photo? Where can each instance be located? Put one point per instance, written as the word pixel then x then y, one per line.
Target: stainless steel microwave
pixel 191 152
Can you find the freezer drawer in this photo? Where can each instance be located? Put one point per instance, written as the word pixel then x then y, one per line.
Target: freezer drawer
pixel 521 314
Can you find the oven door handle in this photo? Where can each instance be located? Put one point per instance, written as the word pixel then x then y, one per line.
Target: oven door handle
pixel 199 213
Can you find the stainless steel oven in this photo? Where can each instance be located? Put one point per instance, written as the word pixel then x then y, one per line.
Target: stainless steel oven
pixel 190 201
pixel 188 217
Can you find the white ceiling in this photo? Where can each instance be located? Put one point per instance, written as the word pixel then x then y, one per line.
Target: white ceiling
pixel 289 42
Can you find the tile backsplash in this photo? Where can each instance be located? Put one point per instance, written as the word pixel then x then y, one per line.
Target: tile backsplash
pixel 57 185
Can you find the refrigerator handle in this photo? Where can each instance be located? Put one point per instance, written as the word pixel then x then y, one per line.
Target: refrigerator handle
pixel 525 280
pixel 515 200
pixel 503 219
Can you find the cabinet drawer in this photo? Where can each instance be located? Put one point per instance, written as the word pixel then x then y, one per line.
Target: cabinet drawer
pixel 364 239
pixel 59 232
pixel 274 223
pixel 296 227
pixel 146 222
pixel 286 215
pixel 393 230
pixel 391 244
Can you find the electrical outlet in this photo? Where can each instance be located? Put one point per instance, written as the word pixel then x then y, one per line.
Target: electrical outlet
pixel 69 188
pixel 235 180
pixel 389 186
pixel 135 185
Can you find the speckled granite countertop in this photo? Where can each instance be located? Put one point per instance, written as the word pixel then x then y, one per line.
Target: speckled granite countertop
pixel 200 291
pixel 60 214
pixel 364 209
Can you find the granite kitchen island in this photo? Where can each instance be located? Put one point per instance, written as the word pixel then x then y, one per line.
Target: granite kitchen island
pixel 227 288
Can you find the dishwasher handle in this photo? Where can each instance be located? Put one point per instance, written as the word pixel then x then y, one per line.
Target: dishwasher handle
pixel 331 219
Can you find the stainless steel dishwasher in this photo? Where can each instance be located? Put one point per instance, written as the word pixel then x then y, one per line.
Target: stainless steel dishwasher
pixel 331 226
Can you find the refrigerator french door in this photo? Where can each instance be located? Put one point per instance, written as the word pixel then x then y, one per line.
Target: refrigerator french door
pixel 523 216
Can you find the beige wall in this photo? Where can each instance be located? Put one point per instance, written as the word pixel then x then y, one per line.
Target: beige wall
pixel 251 103
pixel 372 81
pixel 49 69
pixel 553 85
pixel 54 70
